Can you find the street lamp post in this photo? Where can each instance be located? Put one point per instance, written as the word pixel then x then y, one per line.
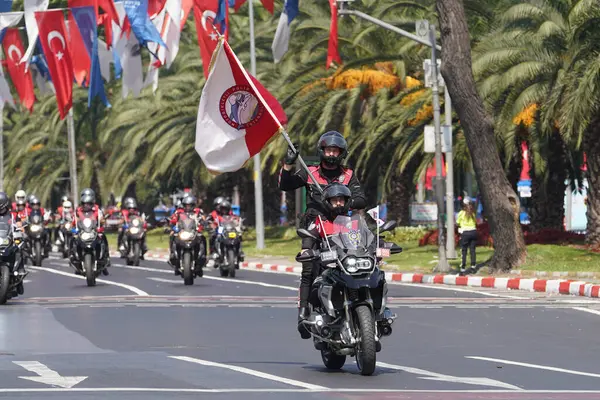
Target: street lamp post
pixel 430 42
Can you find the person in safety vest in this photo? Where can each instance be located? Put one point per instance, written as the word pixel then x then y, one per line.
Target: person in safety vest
pixel 332 149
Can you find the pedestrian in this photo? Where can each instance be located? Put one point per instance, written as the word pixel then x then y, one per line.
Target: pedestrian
pixel 467 227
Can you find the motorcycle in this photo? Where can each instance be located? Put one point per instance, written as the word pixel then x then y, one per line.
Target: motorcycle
pixel 190 246
pixel 64 237
pixel 11 243
pixel 88 252
pixel 349 297
pixel 132 240
pixel 227 246
pixel 36 231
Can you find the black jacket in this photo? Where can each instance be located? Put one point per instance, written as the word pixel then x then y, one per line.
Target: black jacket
pixel 289 180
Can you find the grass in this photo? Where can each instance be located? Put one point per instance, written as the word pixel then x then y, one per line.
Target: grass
pixel 282 242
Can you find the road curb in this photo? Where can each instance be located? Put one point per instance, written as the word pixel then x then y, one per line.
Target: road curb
pixel 551 286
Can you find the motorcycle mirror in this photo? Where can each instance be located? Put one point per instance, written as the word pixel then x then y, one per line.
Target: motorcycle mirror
pixel 305 234
pixel 394 248
pixel 388 226
pixel 308 256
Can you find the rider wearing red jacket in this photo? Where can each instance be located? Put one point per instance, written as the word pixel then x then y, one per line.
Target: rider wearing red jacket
pixel 216 217
pixel 88 206
pixel 10 216
pixel 189 209
pixel 130 209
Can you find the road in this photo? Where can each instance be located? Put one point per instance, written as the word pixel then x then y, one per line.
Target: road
pixel 140 333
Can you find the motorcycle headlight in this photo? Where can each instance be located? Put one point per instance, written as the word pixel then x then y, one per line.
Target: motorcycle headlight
pixel 135 222
pixel 185 235
pixel 350 264
pixel 364 263
pixel 87 223
pixel 232 235
pixel 134 230
pixel 4 241
pixel 35 228
pixel 88 236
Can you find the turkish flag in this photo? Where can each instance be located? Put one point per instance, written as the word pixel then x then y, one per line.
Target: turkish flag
pixel 332 49
pixel 14 50
pixel 108 6
pixel 205 12
pixel 82 63
pixel 52 37
pixel 186 7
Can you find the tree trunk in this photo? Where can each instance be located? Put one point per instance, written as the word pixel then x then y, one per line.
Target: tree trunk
pixel 591 144
pixel 548 190
pixel 402 190
pixel 500 202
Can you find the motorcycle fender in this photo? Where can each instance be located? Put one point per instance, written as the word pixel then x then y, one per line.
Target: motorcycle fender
pixel 356 283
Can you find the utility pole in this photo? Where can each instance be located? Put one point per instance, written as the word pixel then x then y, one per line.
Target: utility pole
pixel 72 158
pixel 258 189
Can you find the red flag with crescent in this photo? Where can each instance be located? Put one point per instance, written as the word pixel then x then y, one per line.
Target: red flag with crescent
pixel 13 49
pixel 52 37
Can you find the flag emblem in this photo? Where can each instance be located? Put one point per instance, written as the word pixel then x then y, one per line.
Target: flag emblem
pixel 240 108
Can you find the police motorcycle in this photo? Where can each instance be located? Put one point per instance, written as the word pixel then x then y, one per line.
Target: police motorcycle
pixel 227 245
pixel 12 242
pixel 348 299
pixel 88 251
pixel 133 238
pixel 190 248
pixel 36 232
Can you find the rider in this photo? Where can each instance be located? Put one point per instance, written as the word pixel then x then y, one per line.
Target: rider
pixel 88 205
pixel 222 208
pixel 20 196
pixel 130 209
pixel 189 209
pixel 58 216
pixel 332 149
pixel 36 208
pixel 6 215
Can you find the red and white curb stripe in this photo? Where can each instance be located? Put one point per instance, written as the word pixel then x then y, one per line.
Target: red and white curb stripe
pixel 555 286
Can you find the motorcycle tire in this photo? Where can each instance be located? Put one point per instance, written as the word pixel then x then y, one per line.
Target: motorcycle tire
pixel 4 283
pixel 366 355
pixel 90 274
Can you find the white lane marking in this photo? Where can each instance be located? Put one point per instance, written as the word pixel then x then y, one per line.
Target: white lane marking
pixel 587 310
pixel 244 390
pixel 165 280
pixel 72 275
pixel 215 278
pixel 434 376
pixel 250 372
pixel 536 366
pixel 48 376
pixel 453 289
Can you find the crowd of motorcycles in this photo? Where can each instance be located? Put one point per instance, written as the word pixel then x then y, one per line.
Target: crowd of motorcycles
pixel 82 242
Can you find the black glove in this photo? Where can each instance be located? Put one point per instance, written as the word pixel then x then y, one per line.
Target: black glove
pixel 291 156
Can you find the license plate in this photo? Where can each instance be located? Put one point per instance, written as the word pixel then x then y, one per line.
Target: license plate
pixel 382 252
pixel 328 256
pixel 232 235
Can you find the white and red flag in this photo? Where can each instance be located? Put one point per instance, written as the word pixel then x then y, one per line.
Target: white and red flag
pixel 237 116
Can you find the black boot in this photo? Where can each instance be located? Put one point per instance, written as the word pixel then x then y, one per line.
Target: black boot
pixel 303 314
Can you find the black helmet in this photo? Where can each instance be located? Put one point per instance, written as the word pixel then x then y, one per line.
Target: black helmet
pixel 87 199
pixel 332 139
pixel 218 201
pixel 30 198
pixel 87 193
pixel 336 190
pixel 4 203
pixel 34 201
pixel 189 200
pixel 225 207
pixel 130 203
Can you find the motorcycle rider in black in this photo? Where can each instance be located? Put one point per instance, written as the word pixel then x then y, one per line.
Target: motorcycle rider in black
pixel 332 149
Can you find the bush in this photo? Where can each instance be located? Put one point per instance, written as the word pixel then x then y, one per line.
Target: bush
pixel 404 234
pixel 484 238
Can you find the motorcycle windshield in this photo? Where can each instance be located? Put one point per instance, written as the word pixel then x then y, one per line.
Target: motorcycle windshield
pixel 36 219
pixel 186 224
pixel 351 233
pixel 229 223
pixel 5 229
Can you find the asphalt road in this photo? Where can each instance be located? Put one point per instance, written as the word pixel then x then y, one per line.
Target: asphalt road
pixel 140 333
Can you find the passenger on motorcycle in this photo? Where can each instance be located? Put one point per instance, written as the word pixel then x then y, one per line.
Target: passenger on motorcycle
pixel 89 208
pixel 189 210
pixel 20 197
pixel 7 214
pixel 130 209
pixel 222 209
pixel 332 149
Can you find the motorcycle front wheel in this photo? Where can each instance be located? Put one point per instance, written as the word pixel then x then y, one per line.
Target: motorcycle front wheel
pixel 367 348
pixel 4 283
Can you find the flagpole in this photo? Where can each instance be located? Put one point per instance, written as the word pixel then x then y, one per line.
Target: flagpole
pixel 258 189
pixel 2 146
pixel 72 157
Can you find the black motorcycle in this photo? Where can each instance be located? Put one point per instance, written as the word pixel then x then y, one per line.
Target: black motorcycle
pixel 349 297
pixel 88 252
pixel 65 236
pixel 11 252
pixel 191 249
pixel 132 240
pixel 227 246
pixel 36 232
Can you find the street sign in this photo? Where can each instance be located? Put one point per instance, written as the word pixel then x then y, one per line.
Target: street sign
pixel 422 28
pixel 429 142
pixel 429 73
